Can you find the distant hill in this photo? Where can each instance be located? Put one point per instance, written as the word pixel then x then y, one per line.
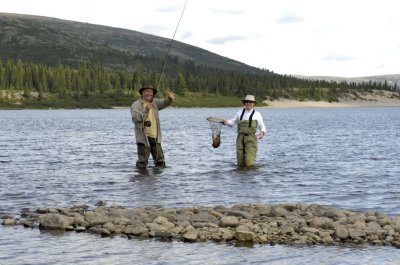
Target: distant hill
pixel 49 41
pixel 46 40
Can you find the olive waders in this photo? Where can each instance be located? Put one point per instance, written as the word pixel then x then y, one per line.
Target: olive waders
pixel 154 149
pixel 246 142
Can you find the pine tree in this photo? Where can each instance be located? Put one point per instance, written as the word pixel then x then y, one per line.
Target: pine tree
pixel 181 88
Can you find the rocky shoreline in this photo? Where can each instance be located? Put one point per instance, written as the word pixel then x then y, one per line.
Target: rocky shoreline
pixel 293 224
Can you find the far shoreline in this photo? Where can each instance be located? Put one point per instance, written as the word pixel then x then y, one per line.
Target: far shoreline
pixel 325 104
pixel 366 101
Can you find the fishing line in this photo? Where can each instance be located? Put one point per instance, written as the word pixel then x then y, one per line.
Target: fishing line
pixel 170 45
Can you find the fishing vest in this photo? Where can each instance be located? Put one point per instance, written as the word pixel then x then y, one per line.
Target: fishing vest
pixel 247 127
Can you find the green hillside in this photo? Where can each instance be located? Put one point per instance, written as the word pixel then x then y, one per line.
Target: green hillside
pixel 47 62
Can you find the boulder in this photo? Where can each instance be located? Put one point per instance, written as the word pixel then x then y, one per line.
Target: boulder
pixel 229 221
pixel 52 221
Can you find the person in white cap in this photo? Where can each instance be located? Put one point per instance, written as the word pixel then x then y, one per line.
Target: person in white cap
pixel 145 116
pixel 248 122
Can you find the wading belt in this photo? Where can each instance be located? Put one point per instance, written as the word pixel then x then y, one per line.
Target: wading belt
pixel 251 116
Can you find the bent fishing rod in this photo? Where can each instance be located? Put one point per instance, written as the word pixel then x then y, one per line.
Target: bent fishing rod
pixel 170 45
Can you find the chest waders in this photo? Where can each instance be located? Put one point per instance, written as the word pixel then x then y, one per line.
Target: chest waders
pixel 246 141
pixel 154 148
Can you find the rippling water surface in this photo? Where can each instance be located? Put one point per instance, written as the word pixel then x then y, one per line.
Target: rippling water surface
pixel 344 158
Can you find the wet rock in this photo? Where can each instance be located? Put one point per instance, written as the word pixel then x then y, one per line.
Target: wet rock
pixel 359 225
pixel 321 222
pixel 335 214
pixel 136 231
pixel 242 214
pixel 327 239
pixel 244 227
pixel 342 232
pixel 100 231
pixel 244 235
pixel 101 203
pixel 216 214
pixel 161 220
pixel 191 236
pixel 263 209
pixel 52 221
pixel 383 220
pixel 96 218
pixel 80 229
pixel 279 211
pixel 356 233
pixel 229 221
pixel 134 222
pixel 153 227
pixel 203 217
pixel 183 224
pixel 355 217
pixel 42 210
pixel 295 224
pixel 227 234
pixel 287 230
pixel 110 227
pixel 165 234
pixel 27 223
pixel 199 224
pixel 204 235
pixel 8 221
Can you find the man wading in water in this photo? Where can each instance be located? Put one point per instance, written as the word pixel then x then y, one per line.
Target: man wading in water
pixel 145 116
pixel 248 121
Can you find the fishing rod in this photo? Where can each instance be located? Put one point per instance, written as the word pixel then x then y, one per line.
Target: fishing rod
pixel 170 45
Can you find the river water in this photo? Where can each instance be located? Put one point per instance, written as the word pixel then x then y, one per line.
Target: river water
pixel 339 157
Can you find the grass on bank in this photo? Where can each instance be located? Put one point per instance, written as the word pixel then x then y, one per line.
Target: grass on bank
pixel 98 101
pixel 207 101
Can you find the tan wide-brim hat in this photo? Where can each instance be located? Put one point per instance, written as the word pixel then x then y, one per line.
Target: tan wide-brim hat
pixel 249 98
pixel 146 87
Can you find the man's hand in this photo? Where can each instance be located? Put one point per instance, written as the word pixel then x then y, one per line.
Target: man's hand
pixel 148 106
pixel 171 95
pixel 261 135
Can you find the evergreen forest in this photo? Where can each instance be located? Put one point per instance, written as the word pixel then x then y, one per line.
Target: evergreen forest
pixel 26 84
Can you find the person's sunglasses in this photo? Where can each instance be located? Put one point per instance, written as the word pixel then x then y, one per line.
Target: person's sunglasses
pixel 246 101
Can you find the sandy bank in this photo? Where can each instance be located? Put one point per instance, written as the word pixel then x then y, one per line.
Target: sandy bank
pixel 376 99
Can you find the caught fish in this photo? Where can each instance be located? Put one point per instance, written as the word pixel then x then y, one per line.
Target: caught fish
pixel 216 141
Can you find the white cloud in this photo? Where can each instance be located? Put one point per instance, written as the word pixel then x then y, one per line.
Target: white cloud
pixel 307 37
pixel 289 18
pixel 224 40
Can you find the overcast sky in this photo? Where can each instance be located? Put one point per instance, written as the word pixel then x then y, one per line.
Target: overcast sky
pixel 347 38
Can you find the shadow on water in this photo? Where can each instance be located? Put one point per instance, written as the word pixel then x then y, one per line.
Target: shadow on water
pixel 55 233
pixel 139 173
pixel 255 170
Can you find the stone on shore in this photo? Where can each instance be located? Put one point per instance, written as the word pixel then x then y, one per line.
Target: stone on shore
pixel 295 224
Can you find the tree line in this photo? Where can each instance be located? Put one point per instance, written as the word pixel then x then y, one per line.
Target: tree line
pixel 182 77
